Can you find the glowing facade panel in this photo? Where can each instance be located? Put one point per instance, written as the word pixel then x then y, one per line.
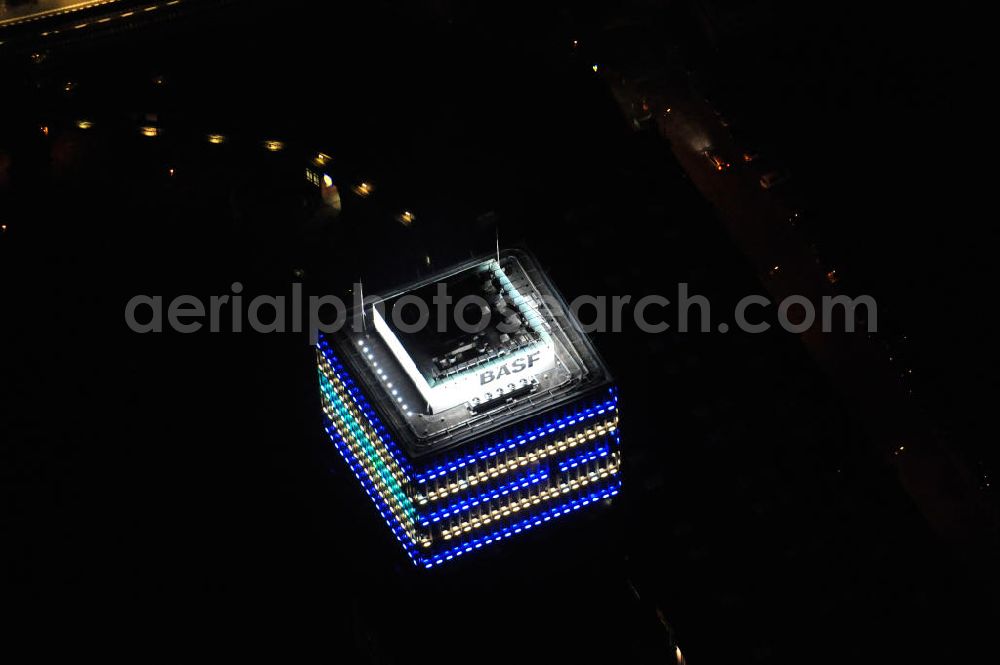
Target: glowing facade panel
pixel 489 473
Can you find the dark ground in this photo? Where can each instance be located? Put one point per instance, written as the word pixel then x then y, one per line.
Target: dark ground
pixel 179 489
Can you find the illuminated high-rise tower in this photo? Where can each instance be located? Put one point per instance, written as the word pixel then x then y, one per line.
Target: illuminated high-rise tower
pixel 466 434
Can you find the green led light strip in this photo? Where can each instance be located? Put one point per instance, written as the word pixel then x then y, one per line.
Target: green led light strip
pixel 347 425
pixel 393 466
pixel 346 421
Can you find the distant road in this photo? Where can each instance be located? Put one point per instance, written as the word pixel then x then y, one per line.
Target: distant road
pixel 939 480
pixel 13 13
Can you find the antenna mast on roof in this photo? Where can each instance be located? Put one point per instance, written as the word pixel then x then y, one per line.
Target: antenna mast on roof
pixel 361 288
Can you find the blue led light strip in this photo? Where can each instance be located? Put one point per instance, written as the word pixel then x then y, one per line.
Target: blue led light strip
pixel 491 451
pixel 523 525
pixel 338 369
pixel 331 391
pixel 397 529
pixel 505 465
pixel 528 503
pixel 353 405
pixel 327 387
pixel 514 442
pixel 503 490
pixel 381 476
pixel 588 456
pixel 466 546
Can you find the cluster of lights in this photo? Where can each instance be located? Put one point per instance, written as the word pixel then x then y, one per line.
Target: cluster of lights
pixel 524 525
pixel 503 490
pixel 372 492
pixel 586 458
pixel 363 189
pixel 520 503
pixel 393 390
pixel 519 460
pixel 529 437
pixel 385 473
pixel 354 424
pixel 516 483
pixel 84 6
pixel 332 362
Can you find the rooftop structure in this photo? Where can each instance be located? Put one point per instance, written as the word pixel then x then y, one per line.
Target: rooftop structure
pixel 480 413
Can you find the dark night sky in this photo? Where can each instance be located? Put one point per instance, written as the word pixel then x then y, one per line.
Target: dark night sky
pixel 183 482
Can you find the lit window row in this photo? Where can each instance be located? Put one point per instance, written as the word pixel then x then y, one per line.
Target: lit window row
pixel 503 490
pixel 336 368
pixel 509 486
pixel 342 407
pixel 571 465
pixel 400 507
pixel 369 429
pixel 376 497
pixel 372 458
pixel 498 465
pixel 517 503
pixel 587 457
pixel 524 525
pixel 598 409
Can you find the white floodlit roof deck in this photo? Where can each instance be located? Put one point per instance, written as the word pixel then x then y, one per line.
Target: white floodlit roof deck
pixel 441 385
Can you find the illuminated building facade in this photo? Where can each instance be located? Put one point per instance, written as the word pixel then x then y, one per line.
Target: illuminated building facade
pixel 317 176
pixel 467 435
